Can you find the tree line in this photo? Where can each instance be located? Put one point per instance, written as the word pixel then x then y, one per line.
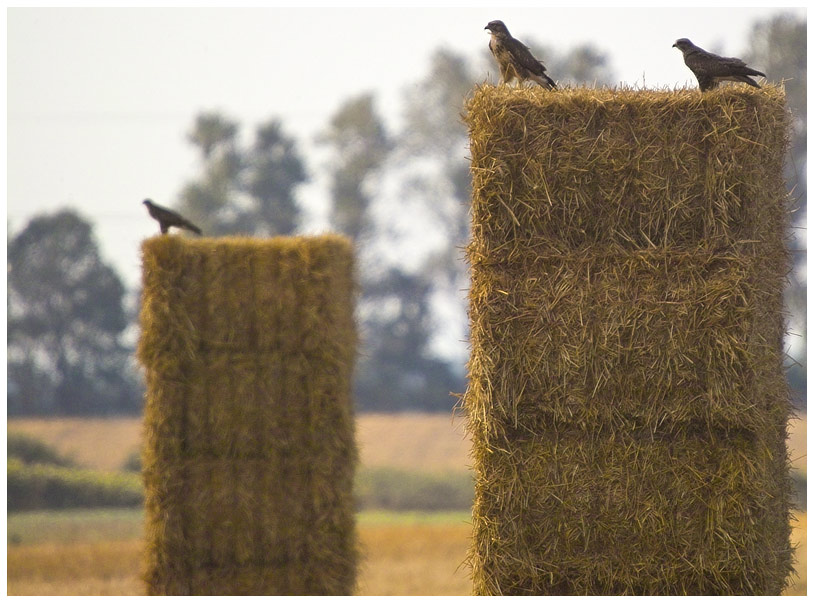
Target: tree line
pixel 401 194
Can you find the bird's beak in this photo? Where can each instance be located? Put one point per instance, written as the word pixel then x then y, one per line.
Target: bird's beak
pixel 673 45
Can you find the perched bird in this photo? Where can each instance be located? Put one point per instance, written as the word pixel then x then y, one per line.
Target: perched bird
pixel 514 58
pixel 167 218
pixel 711 69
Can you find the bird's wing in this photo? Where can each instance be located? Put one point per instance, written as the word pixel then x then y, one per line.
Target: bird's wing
pixel 738 67
pixel 520 52
pixel 714 66
pixel 165 215
pixel 190 226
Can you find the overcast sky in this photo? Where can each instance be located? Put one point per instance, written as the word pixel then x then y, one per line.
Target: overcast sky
pixel 99 100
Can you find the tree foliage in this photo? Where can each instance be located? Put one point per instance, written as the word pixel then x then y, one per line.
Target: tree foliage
pixel 65 322
pixel 248 190
pixel 360 143
pixel 397 371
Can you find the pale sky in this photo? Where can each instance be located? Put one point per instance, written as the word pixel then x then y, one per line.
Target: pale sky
pixel 99 100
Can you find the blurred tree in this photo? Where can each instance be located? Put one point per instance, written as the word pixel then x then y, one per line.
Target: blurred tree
pixel 361 144
pixel 206 201
pixel 583 65
pixel 434 131
pixel 211 131
pixel 396 370
pixel 247 191
pixel 273 170
pixel 433 171
pixel 430 175
pixel 778 46
pixel 65 321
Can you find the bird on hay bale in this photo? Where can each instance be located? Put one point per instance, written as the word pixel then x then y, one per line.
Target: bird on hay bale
pixel 710 69
pixel 167 218
pixel 514 58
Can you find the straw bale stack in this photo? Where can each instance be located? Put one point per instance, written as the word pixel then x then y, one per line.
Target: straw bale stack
pixel 248 347
pixel 627 401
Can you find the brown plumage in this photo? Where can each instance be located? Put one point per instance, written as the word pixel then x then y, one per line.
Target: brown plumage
pixel 167 218
pixel 711 69
pixel 514 58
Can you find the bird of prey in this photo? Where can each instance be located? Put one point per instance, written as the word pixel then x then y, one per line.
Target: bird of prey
pixel 514 58
pixel 711 69
pixel 167 218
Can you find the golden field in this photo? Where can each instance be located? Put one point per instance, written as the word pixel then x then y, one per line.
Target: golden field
pixel 417 441
pixel 89 553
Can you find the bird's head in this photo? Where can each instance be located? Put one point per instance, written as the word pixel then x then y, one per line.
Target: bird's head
pixel 497 27
pixel 147 202
pixel 683 44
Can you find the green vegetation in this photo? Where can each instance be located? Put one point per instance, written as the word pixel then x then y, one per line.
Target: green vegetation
pixel 394 489
pixel 42 486
pixel 133 462
pixel 32 450
pixel 66 314
pixel 799 489
pixel 115 524
pixel 75 525
pixel 379 490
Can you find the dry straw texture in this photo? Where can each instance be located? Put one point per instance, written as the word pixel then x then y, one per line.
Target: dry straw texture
pixel 627 401
pixel 248 347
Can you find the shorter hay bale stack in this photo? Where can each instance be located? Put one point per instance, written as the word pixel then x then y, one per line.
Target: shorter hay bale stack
pixel 248 347
pixel 627 401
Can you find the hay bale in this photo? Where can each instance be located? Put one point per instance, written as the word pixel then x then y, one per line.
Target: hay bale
pixel 627 402
pixel 248 347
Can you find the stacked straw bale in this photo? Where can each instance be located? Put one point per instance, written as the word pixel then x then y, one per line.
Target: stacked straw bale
pixel 248 347
pixel 627 401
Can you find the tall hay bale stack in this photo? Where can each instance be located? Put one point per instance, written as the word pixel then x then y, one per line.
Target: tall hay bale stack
pixel 249 453
pixel 627 401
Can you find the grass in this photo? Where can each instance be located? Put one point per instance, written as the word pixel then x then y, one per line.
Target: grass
pixel 374 518
pixel 64 527
pixel 99 552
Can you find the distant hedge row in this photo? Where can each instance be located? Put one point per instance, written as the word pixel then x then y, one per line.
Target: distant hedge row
pixel 42 486
pixel 394 489
pixel 32 450
pixel 37 486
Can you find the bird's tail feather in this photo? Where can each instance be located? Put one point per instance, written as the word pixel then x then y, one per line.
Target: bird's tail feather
pixel 192 227
pixel 749 71
pixel 545 81
pixel 746 80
